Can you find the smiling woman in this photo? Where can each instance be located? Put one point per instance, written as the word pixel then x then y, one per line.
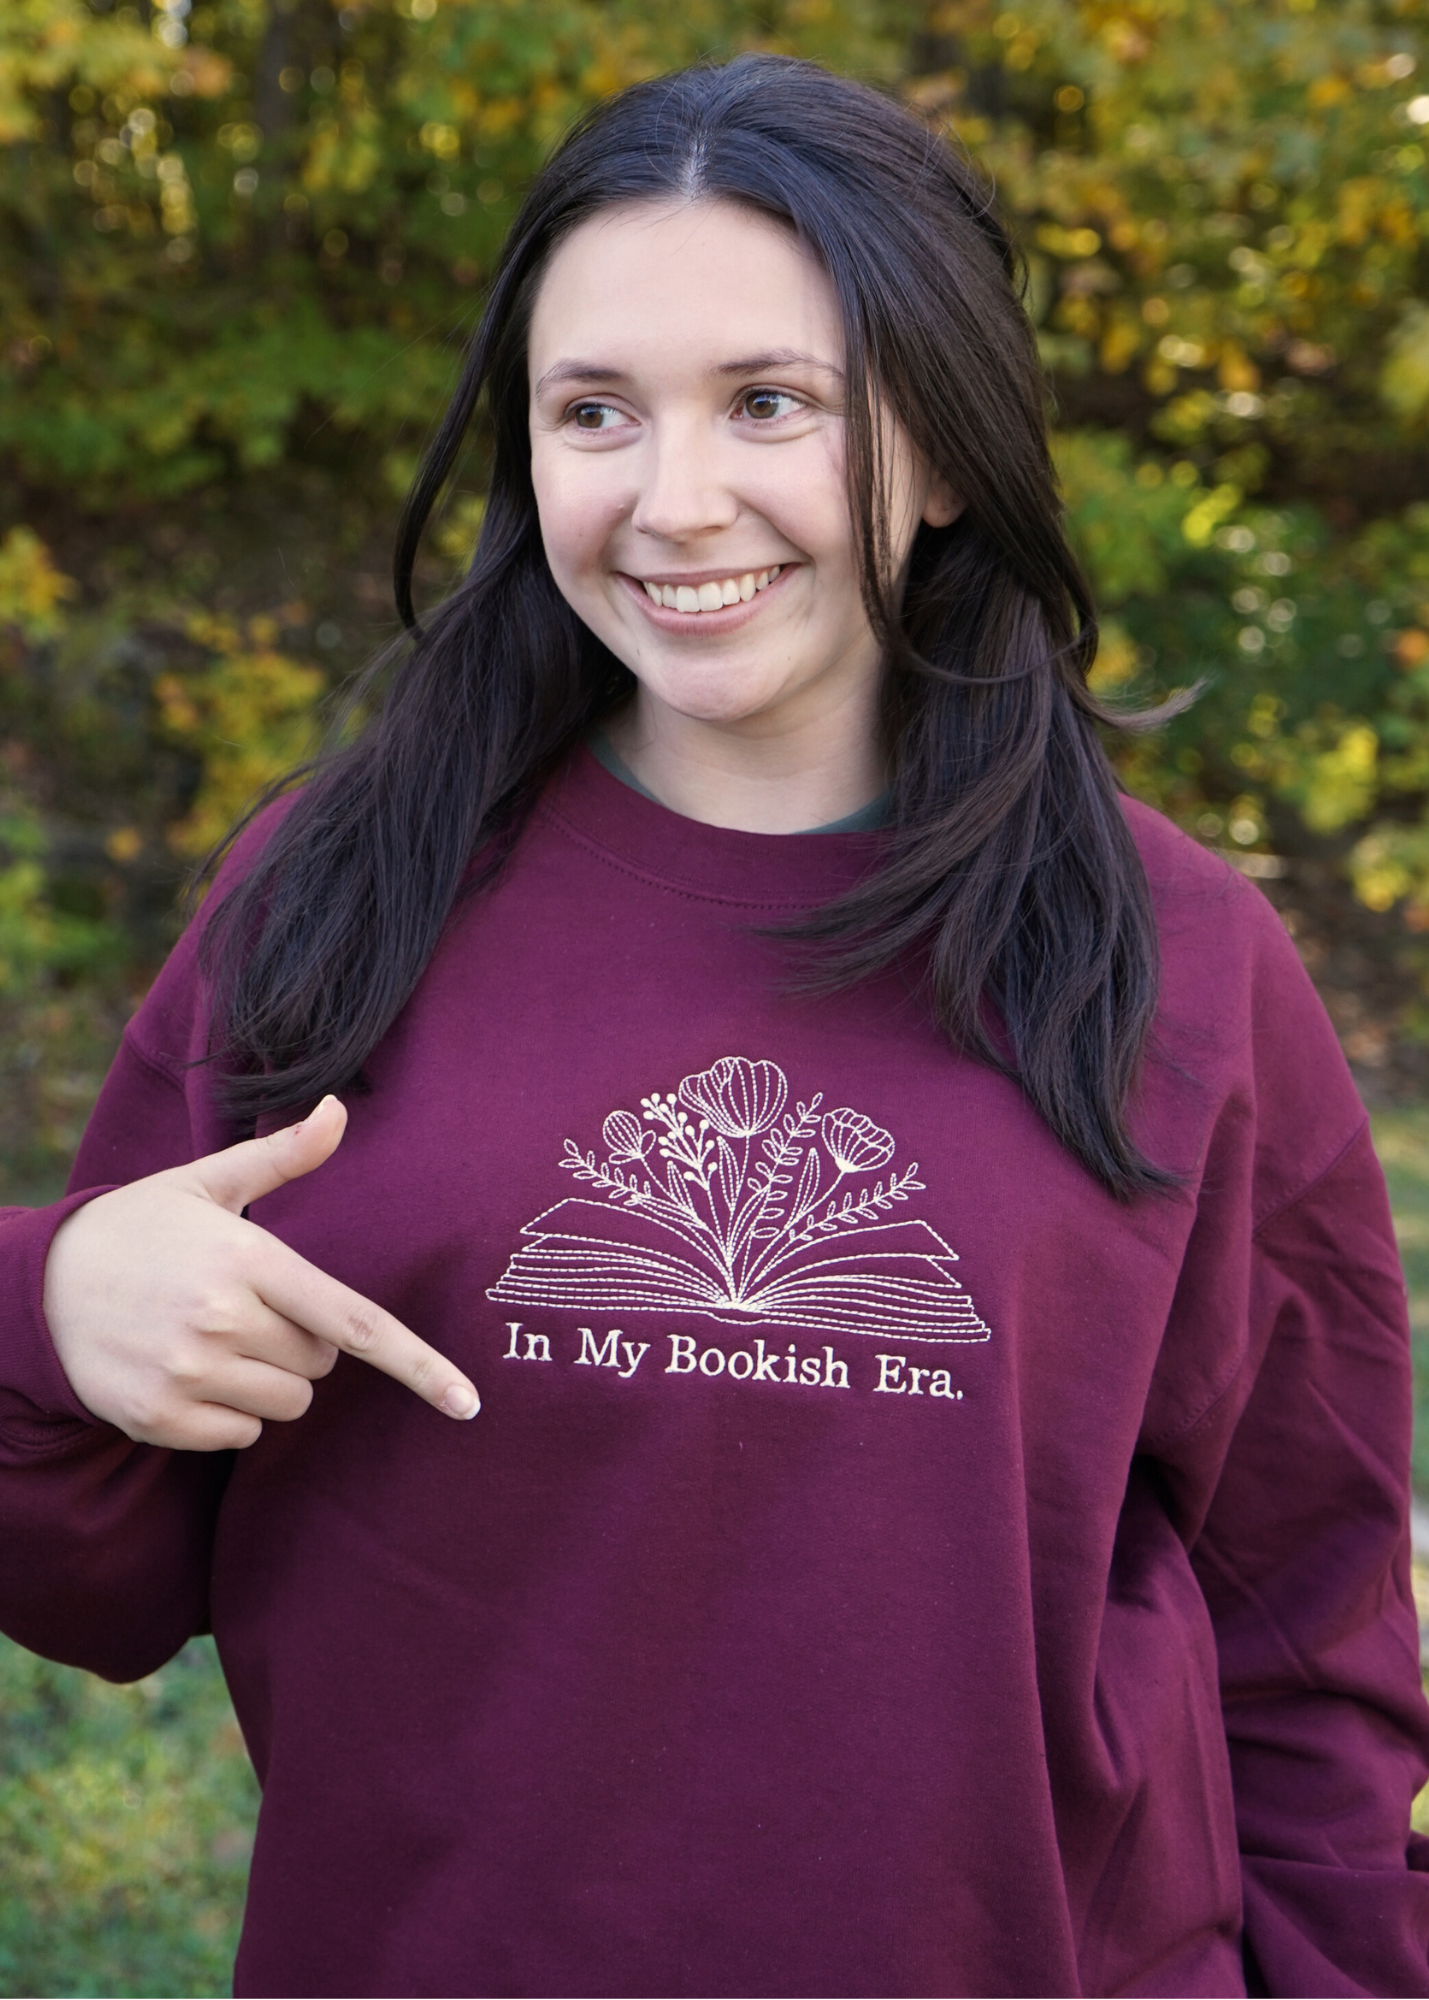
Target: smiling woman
pixel 692 486
pixel 933 639
pixel 693 507
pixel 937 1522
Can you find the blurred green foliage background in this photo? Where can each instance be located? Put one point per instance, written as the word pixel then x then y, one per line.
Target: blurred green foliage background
pixel 241 245
pixel 242 242
pixel 126 1819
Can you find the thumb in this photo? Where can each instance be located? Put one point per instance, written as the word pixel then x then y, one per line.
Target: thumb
pixel 240 1174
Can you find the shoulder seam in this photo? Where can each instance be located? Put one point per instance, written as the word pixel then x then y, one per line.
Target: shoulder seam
pixel 1290 1201
pixel 1181 1433
pixel 153 1063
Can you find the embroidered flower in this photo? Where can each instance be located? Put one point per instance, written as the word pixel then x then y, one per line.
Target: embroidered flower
pixel 627 1138
pixel 739 1097
pixel 749 1234
pixel 857 1144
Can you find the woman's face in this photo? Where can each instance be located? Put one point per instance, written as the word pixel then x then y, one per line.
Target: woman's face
pixel 688 455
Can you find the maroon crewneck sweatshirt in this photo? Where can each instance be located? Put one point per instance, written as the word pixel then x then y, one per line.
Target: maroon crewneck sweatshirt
pixel 883 1563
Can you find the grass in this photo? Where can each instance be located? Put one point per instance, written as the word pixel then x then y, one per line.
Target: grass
pixel 126 1823
pixel 126 1814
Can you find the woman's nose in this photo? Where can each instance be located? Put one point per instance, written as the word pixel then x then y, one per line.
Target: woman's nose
pixel 683 494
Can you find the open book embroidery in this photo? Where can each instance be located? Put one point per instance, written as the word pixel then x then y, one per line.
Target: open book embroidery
pixel 720 1201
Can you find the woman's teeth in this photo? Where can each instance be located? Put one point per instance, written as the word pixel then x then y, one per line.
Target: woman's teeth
pixel 711 596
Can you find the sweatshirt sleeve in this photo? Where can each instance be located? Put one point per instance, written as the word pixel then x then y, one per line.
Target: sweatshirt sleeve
pixel 105 1544
pixel 1305 1564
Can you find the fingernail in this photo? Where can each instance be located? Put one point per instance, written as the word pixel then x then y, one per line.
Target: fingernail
pixel 460 1401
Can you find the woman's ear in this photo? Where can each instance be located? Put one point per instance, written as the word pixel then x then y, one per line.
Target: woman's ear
pixel 942 506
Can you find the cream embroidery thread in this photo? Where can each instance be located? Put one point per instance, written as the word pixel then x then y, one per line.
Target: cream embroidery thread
pixel 719 1200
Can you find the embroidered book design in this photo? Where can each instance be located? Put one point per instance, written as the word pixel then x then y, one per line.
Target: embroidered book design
pixel 720 1201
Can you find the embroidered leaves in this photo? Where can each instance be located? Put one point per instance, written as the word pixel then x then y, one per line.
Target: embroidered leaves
pixel 762 1201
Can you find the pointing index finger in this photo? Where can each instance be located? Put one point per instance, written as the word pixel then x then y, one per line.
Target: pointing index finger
pixel 333 1311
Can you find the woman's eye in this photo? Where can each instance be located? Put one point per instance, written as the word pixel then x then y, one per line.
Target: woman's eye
pixel 762 404
pixel 594 416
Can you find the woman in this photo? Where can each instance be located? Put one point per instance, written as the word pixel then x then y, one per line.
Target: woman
pixel 937 1520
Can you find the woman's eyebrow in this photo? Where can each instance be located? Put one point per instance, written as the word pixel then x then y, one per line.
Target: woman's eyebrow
pixel 776 357
pixel 749 364
pixel 579 371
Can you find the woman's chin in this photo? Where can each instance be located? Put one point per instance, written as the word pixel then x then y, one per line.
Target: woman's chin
pixel 717 708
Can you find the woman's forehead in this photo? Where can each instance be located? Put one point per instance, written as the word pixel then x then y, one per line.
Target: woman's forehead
pixel 703 285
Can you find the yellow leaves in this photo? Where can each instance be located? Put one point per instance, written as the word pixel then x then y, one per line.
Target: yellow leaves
pixel 1390 69
pixel 1182 353
pixel 1265 715
pixel 124 844
pixel 1339 783
pixel 250 715
pixel 603 77
pixel 242 140
pixel 1120 344
pixel 456 537
pixel 1391 864
pixel 32 589
pixel 176 201
pixel 1068 242
pixel 201 72
pixel 347 156
pixel 1235 371
pixel 36 939
pixel 1398 222
pixel 1186 418
pixel 179 712
pixel 26 928
pixel 1329 769
pixel 1381 870
pixel 957 17
pixel 1021 41
pixel 1200 524
pixel 929 95
pixel 1117 661
pixel 1126 41
pixel 1358 201
pixel 1328 90
pixel 45 45
pixel 500 116
pixel 1404 378
pixel 1078 315
pixel 443 140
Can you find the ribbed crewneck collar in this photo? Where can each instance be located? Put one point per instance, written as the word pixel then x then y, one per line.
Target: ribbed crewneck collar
pixel 775 871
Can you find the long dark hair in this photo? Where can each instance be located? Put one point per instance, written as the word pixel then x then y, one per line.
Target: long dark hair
pixel 1011 870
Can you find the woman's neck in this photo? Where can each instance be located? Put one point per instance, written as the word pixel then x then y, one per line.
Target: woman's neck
pixel 756 774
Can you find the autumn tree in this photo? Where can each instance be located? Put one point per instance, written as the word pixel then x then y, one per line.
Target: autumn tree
pixel 242 242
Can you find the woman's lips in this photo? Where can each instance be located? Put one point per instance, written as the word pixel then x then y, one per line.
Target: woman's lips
pixel 710 621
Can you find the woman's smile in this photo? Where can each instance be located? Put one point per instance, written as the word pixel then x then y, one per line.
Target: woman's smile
pixel 705 604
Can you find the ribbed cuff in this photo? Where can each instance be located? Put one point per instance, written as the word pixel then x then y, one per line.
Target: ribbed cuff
pixel 33 1385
